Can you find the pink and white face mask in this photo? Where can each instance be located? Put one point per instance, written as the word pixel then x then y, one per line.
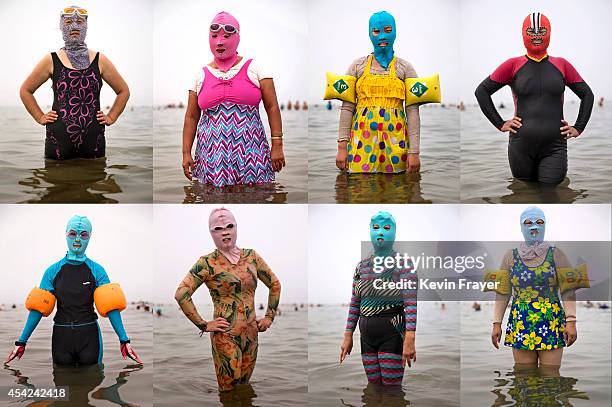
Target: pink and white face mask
pixel 223 229
pixel 224 37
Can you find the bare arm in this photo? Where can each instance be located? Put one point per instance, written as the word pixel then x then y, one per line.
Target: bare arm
pixel 268 94
pixel 111 76
pixel 192 116
pixel 41 73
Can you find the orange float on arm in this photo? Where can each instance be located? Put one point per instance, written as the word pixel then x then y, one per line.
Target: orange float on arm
pixel 40 300
pixel 109 297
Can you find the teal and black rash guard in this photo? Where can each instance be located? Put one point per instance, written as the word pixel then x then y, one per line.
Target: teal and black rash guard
pixel 76 334
pixel 538 151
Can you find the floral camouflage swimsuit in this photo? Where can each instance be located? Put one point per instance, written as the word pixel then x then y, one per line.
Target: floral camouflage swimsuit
pixel 537 319
pixel 232 288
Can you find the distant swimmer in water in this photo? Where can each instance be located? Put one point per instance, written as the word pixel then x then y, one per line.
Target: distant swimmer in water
pixel 538 132
pixel 75 126
pixel 77 283
pixel 328 106
pixel 378 134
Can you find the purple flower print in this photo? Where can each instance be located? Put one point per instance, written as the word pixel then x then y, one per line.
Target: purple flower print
pixel 81 103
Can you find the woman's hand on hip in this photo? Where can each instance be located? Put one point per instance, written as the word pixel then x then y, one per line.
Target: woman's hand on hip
pixel 511 125
pixel 570 334
pixel 104 119
pixel 568 131
pixel 188 165
pixel 263 324
pixel 347 346
pixel 496 334
pixel 219 324
pixel 409 350
pixel 48 117
pixel 414 162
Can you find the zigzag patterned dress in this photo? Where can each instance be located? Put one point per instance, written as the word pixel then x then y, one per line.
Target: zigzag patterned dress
pixel 232 148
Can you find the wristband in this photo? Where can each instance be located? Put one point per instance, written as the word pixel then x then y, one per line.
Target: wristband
pixel 18 343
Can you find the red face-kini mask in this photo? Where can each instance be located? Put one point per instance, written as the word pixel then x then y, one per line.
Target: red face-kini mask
pixel 536 35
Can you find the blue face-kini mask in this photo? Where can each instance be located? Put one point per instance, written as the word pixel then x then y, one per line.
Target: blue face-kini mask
pixel 382 233
pixel 533 232
pixel 379 21
pixel 77 241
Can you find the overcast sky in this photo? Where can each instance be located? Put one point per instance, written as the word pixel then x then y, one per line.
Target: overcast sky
pixel 276 232
pixel 274 32
pixel 32 237
pixel 336 232
pixel 121 30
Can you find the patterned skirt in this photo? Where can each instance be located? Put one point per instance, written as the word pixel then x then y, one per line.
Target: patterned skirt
pixel 378 141
pixel 232 147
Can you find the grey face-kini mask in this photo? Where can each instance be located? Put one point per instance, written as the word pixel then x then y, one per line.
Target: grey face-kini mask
pixel 75 46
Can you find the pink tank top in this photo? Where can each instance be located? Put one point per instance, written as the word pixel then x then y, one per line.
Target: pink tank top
pixel 238 90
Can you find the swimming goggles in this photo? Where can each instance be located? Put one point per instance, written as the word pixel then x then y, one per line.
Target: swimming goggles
pixel 74 10
pixel 72 234
pixel 228 28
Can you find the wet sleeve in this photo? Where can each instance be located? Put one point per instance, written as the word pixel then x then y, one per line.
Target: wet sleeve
pixel 354 307
pixel 410 297
pixel 34 318
pixel 115 319
pixel 413 118
pixel 265 274
pixel 198 274
pixel 347 110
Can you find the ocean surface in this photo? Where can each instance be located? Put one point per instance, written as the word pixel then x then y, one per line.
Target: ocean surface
pixel 125 175
pixel 171 186
pixel 486 176
pixel 432 381
pixel 438 181
pixel 120 382
pixel 185 373
pixel 488 377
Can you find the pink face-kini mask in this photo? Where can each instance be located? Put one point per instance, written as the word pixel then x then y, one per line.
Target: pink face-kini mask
pixel 224 49
pixel 223 229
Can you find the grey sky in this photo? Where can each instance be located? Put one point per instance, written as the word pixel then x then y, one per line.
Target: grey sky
pixel 273 32
pixel 336 233
pixel 277 233
pixel 119 29
pixel 32 237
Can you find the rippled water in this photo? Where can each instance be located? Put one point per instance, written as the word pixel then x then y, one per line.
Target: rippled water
pixel 118 382
pixel 488 377
pixel 125 175
pixel 432 381
pixel 486 176
pixel 438 181
pixel 171 186
pixel 185 373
